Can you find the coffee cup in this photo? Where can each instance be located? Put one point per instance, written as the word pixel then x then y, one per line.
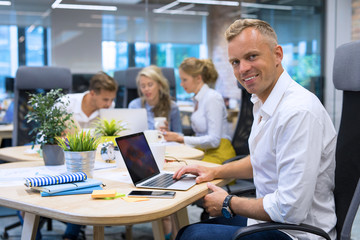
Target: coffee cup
pixel 159 122
pixel 158 151
pixel 154 136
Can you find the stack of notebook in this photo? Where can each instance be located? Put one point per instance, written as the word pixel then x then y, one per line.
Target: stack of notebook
pixel 64 184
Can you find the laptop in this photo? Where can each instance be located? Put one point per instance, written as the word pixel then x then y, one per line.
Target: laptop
pixel 142 166
pixel 135 120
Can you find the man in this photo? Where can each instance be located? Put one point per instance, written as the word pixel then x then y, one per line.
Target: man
pixel 85 106
pixel 292 148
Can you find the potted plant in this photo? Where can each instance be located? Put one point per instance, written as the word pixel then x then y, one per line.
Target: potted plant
pixel 48 113
pixel 108 130
pixel 80 151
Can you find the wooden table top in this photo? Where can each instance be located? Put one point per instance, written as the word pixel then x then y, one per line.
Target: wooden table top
pixel 24 153
pixel 81 209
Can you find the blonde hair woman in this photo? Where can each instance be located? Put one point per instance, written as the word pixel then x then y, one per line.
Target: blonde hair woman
pixel 209 117
pixel 154 92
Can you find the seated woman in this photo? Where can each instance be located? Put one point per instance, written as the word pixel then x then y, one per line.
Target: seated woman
pixel 208 120
pixel 154 92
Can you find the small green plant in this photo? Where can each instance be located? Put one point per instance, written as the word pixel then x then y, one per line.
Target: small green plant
pixel 103 127
pixel 48 111
pixel 78 142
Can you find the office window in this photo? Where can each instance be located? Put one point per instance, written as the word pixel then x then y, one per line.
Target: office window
pixel 34 46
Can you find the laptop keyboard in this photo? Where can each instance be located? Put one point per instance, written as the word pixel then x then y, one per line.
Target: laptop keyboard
pixel 163 181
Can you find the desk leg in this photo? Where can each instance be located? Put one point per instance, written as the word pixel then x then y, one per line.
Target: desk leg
pixel 31 223
pixel 158 230
pixel 98 232
pixel 179 219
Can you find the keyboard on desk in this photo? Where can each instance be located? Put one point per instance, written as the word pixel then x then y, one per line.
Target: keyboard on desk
pixel 164 180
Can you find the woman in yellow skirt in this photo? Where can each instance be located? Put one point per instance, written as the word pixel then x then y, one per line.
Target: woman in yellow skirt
pixel 208 120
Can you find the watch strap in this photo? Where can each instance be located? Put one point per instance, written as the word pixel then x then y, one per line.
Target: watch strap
pixel 226 203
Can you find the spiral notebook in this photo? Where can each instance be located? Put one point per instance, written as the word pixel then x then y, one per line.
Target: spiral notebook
pixel 57 179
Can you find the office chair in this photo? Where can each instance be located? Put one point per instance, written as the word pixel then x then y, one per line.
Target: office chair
pixel 129 82
pixel 80 82
pixel 119 77
pixel 242 187
pixel 33 80
pixel 346 77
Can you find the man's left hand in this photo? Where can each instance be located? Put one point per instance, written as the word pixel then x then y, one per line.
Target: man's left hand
pixel 213 201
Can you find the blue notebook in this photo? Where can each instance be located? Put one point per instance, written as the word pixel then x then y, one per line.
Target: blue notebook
pixel 68 186
pixel 71 192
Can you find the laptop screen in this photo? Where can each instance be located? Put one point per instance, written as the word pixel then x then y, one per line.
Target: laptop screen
pixel 137 156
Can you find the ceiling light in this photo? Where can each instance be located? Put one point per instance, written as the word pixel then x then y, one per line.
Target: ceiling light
pixel 5 3
pixel 211 2
pixel 167 6
pixel 266 6
pixel 179 12
pixel 86 7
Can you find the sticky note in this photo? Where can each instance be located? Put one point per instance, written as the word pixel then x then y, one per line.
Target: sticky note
pixel 103 193
pixel 135 199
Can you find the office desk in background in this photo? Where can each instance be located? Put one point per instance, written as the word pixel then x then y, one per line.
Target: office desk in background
pixel 81 209
pixel 6 131
pixel 24 153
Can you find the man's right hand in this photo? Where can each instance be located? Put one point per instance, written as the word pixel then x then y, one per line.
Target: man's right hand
pixel 204 174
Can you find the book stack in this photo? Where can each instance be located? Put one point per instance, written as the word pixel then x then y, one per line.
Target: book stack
pixel 64 184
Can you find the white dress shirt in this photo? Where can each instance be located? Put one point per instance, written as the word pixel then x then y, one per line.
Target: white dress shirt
pixel 209 120
pixel 292 148
pixel 74 107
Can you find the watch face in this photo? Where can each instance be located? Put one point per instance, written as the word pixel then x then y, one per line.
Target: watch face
pixel 225 212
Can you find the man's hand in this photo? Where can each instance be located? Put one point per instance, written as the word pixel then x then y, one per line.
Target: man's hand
pixel 204 174
pixel 213 201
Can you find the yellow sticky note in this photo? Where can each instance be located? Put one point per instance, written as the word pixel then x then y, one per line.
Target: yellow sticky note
pixel 132 199
pixel 103 193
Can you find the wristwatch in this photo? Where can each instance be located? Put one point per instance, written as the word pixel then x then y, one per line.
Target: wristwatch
pixel 108 152
pixel 226 210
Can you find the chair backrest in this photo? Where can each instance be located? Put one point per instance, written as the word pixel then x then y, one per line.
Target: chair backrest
pixel 127 78
pixel 119 77
pixel 81 82
pixel 33 80
pixel 243 125
pixel 346 77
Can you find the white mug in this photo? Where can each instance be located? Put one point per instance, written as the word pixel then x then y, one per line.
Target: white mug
pixel 154 136
pixel 158 151
pixel 159 122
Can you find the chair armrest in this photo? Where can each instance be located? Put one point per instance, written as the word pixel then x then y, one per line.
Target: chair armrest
pixel 238 157
pixel 279 226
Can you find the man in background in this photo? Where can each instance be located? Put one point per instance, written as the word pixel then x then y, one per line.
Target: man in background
pixel 85 106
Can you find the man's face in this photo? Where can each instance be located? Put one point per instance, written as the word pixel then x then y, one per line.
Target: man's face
pixel 256 64
pixel 103 99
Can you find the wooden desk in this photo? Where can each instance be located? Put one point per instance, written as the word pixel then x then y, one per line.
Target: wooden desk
pixel 6 131
pixel 17 154
pixel 81 209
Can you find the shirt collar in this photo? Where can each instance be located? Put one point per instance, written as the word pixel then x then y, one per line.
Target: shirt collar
pixel 202 92
pixel 271 103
